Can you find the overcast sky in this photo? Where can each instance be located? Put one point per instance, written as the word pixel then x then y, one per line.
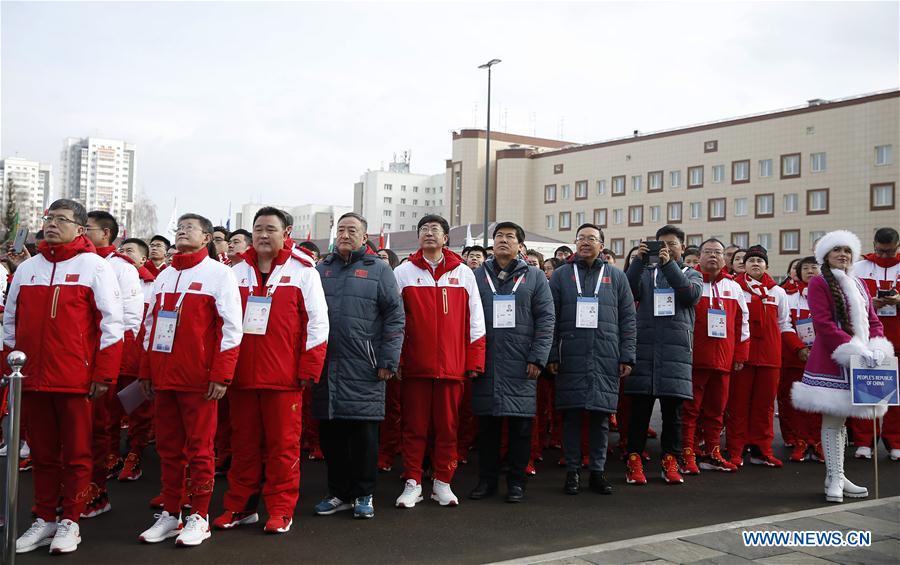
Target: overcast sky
pixel 290 102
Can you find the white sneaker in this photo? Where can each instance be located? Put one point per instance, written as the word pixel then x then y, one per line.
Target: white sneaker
pixel 895 455
pixel 166 526
pixel 24 451
pixel 67 538
pixel 863 452
pixel 195 530
pixel 442 493
pixel 38 535
pixel 412 494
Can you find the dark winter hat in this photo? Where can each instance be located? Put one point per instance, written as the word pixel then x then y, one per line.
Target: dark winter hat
pixel 757 251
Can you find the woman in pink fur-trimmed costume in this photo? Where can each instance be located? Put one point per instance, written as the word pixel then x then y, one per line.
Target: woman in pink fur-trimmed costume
pixel 845 324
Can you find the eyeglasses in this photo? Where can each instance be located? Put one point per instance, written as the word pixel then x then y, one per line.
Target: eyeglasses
pixel 714 252
pixel 425 230
pixel 58 220
pixel 587 238
pixel 187 228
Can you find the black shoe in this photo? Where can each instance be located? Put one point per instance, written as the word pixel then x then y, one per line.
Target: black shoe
pixel 599 483
pixel 515 493
pixel 483 490
pixel 573 482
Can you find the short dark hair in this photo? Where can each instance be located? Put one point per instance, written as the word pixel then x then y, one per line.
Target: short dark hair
pixel 247 235
pixel 434 218
pixel 564 249
pixel 271 211
pixel 205 224
pixel 798 266
pixel 310 246
pixel 465 250
pixel 553 261
pixel 736 251
pixel 592 226
pixel 105 221
pixel 222 229
pixel 669 229
pixel 362 220
pixel 887 236
pixel 140 243
pixel 537 254
pixel 520 233
pixel 691 251
pixel 729 246
pixel 78 212
pixel 610 252
pixel 161 238
pixel 393 260
pixel 479 249
pixel 713 240
pixel 289 218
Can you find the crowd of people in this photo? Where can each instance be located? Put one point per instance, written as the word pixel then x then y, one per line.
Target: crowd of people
pixel 236 352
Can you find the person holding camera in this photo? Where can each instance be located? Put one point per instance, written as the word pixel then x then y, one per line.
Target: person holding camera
pixel 666 294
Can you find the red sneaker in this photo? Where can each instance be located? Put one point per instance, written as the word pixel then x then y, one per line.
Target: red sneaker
pixel 24 464
pixel 798 454
pixel 530 470
pixel 690 462
pixel 767 460
pixel 316 455
pixel 817 454
pixel 113 465
pixel 384 467
pixel 715 462
pixel 156 502
pixel 670 472
pixel 278 525
pixel 131 470
pixel 99 503
pixel 229 520
pixel 651 433
pixel 634 470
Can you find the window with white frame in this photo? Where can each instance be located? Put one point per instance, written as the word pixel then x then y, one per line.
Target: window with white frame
pixel 654 214
pixel 882 196
pixel 402 214
pixel 765 205
pixel 718 172
pixel 764 239
pixel 791 202
pixel 655 181
pixel 636 183
pixel 740 207
pixel 618 185
pixel 387 214
pixel 565 220
pixel 883 154
pixel 581 189
pixel 601 186
pixel 673 211
pixel 741 239
pixel 817 162
pixel 695 177
pixel 388 187
pixel 815 236
pixel 387 199
pixel 635 215
pixel 717 208
pixel 696 210
pixel 550 193
pixel 674 179
pixel 765 168
pixel 565 191
pixel 790 165
pixel 695 240
pixel 403 201
pixel 618 247
pixel 740 171
pixel 579 218
pixel 817 201
pixel 550 221
pixel 415 202
pixel 618 215
pixel 600 217
pixel 387 226
pixel 790 241
pixel 402 188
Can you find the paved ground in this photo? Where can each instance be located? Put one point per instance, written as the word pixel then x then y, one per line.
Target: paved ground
pixel 482 531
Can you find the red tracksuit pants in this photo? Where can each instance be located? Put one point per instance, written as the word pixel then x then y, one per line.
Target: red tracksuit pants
pixel 185 431
pixel 889 432
pixel 430 404
pixel 389 429
pixel 222 442
pixel 265 452
pixel 100 438
pixel 140 422
pixel 59 426
pixel 750 413
pixel 796 425
pixel 706 410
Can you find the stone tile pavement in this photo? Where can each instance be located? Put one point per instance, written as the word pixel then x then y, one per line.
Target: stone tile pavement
pixel 723 544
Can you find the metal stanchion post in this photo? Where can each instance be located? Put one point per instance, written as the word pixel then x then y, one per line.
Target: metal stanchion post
pixel 16 361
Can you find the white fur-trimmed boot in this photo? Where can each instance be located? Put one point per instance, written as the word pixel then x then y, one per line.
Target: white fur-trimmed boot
pixel 834 459
pixel 850 490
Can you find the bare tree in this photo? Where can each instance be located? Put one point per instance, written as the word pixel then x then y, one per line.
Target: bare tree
pixel 10 211
pixel 144 221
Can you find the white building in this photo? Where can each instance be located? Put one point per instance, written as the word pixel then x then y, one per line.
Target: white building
pixel 33 188
pixel 397 199
pixel 100 173
pixel 312 219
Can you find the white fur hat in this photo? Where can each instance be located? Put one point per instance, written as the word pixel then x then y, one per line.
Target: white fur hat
pixel 838 238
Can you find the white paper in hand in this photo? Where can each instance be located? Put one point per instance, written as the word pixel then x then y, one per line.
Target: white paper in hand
pixel 132 396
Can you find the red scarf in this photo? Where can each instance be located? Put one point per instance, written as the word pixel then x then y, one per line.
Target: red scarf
pixel 108 250
pixel 883 262
pixel 182 261
pixel 146 274
pixel 793 287
pixel 65 251
pixel 154 270
pixel 759 290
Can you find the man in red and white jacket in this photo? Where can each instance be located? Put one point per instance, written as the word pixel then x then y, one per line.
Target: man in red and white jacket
pixel 102 229
pixel 64 311
pixel 880 271
pixel 444 344
pixel 282 352
pixel 721 345
pixel 191 348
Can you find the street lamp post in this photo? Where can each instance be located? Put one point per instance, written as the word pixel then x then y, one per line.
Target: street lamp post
pixel 487 150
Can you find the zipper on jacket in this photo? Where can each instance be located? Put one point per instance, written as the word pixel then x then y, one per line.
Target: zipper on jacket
pixel 444 293
pixel 370 351
pixel 54 303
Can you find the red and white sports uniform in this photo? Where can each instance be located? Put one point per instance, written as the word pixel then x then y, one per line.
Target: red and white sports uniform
pixel 880 274
pixel 204 350
pixel 796 425
pixel 64 311
pixel 445 338
pixel 266 397
pixel 714 359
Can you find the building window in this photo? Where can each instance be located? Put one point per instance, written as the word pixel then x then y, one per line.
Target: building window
pixel 765 205
pixel 716 209
pixel 740 171
pixel 790 242
pixel 387 213
pixel 883 196
pixel 415 215
pixel 696 210
pixel 710 146
pixel 387 199
pixel 815 236
pixel 674 179
pixel 600 217
pixel 403 201
pixel 765 168
pixel 565 221
pixel 673 212
pixel 636 215
pixel 388 187
pixel 817 162
pixel 817 201
pixel 549 194
pixel 790 166
pixel 740 207
pixel 579 218
pixel 634 243
pixel 764 239
pixel 654 214
pixel 636 183
pixel 883 154
pixel 718 172
pixel 741 239
pixel 618 246
pixel 601 186
pixel 557 169
pixel 581 190
pixel 618 215
pixel 402 188
pixel 695 239
pixel 618 185
pixel 791 202
pixel 402 214
pixel 415 189
pixel 415 202
pixel 695 177
pixel 402 227
pixel 387 226
pixel 551 221
pixel 565 192
pixel 655 181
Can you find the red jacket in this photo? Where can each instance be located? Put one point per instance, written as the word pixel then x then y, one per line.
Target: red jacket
pixel 64 312
pixel 714 353
pixel 208 335
pixel 296 339
pixel 445 332
pixel 799 310
pixel 884 274
pixel 132 307
pixel 154 270
pixel 770 321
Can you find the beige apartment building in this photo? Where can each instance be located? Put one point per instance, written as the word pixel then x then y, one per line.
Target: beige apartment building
pixel 781 179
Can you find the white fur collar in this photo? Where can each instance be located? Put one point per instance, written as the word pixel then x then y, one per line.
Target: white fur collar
pixel 856 299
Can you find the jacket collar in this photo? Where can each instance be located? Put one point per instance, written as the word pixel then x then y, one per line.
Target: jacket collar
pixel 723 274
pixel 182 261
pixel 354 257
pixel 146 274
pixel 883 262
pixel 154 270
pixel 65 251
pixel 450 262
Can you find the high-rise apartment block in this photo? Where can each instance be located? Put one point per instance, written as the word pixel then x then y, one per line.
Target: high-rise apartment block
pixel 100 173
pixel 32 188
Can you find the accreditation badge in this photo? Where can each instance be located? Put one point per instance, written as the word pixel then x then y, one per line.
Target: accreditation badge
pixel 717 324
pixel 587 312
pixel 164 334
pixel 256 316
pixel 504 311
pixel 663 302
